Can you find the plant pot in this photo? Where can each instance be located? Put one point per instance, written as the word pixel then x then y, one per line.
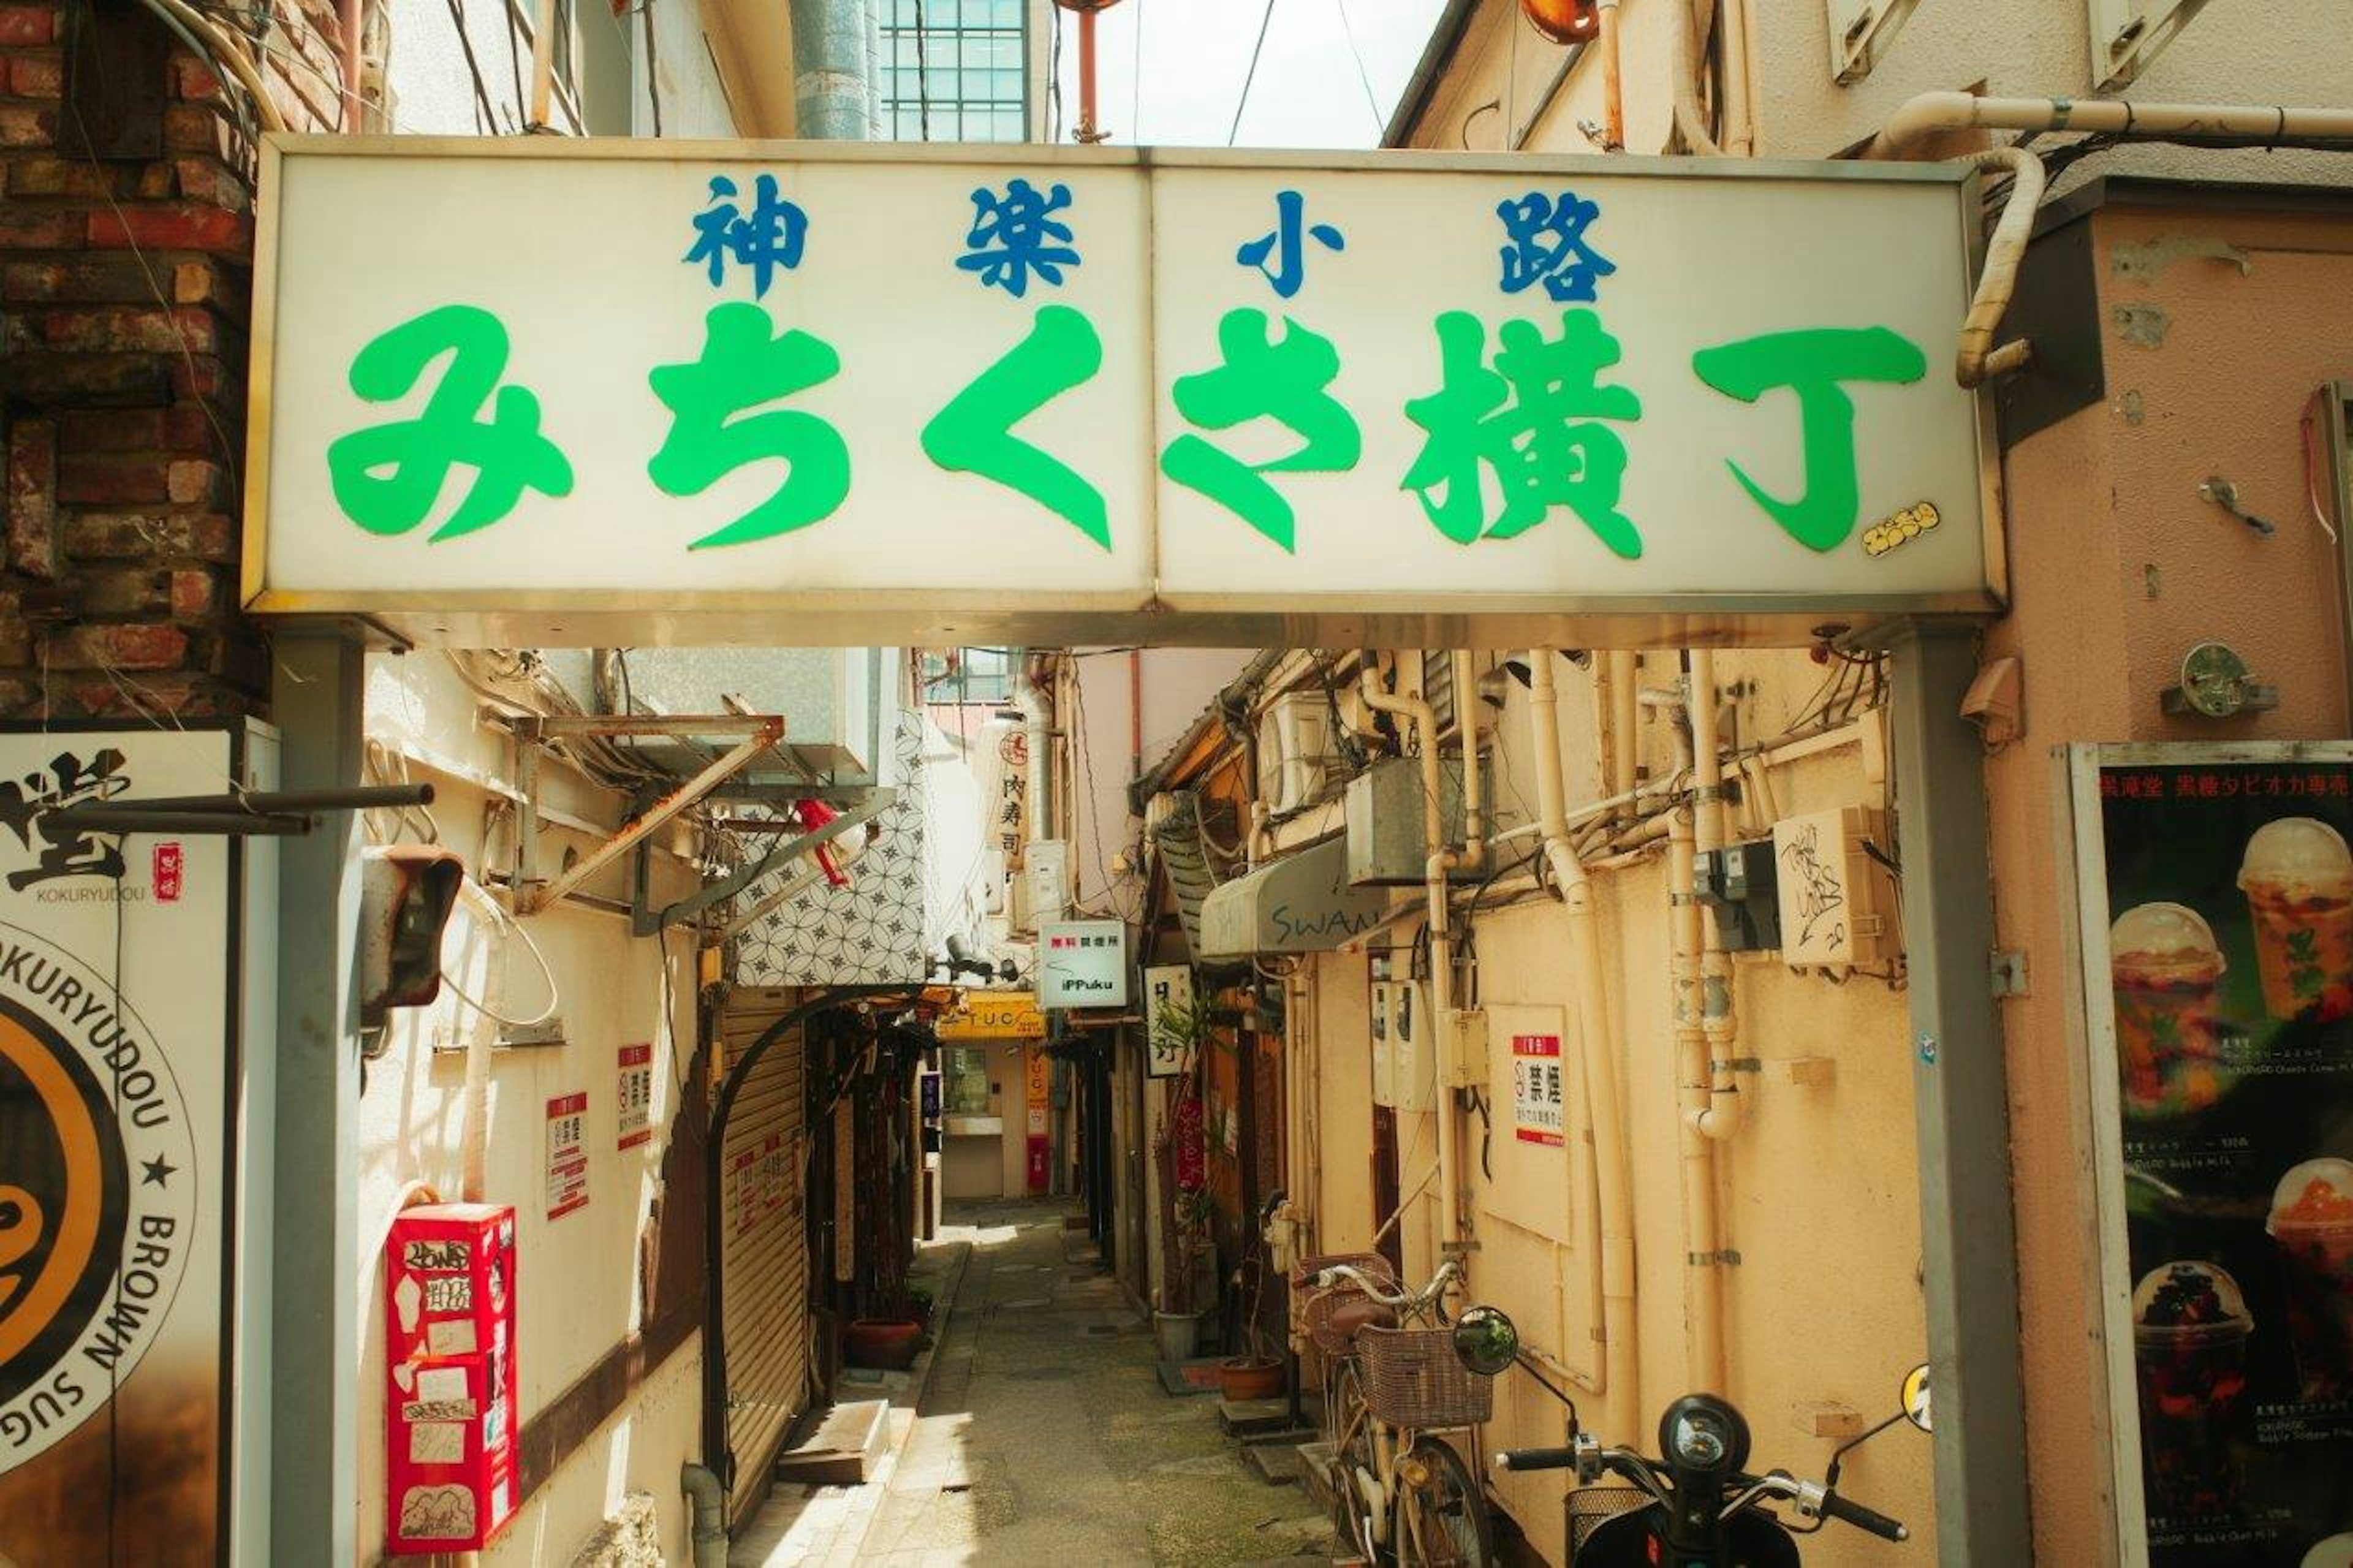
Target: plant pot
pixel 1179 1333
pixel 886 1344
pixel 1243 1378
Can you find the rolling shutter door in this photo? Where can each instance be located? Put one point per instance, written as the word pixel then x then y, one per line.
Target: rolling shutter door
pixel 763 1246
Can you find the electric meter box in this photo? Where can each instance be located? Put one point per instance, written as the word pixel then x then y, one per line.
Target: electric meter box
pixel 449 1399
pixel 1405 1061
pixel 1837 903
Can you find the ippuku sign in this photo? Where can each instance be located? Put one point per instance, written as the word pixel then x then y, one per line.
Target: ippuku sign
pixel 875 394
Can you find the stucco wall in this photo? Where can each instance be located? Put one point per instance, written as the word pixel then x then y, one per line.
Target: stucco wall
pixel 432 88
pixel 2287 51
pixel 2118 567
pixel 577 1292
pixel 1819 1193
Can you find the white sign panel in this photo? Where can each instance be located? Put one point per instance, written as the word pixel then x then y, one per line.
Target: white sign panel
pixel 1536 1090
pixel 1166 985
pixel 1081 964
pixel 567 1153
pixel 897 389
pixel 116 1073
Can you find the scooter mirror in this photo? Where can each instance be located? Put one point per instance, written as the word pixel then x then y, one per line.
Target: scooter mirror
pixel 1915 1397
pixel 1485 1340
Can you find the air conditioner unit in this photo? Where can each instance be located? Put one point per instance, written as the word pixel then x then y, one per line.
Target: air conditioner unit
pixel 1295 750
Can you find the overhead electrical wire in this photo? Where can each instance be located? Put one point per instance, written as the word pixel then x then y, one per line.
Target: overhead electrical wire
pixel 1372 102
pixel 1265 18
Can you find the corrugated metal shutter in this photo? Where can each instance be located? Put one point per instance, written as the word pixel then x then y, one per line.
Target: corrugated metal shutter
pixel 764 1245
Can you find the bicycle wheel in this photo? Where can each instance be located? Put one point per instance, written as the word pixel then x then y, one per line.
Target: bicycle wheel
pixel 1352 1430
pixel 1441 1518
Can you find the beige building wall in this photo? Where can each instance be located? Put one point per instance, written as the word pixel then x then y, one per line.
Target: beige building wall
pixel 1498 93
pixel 2219 318
pixel 1824 1312
pixel 578 1286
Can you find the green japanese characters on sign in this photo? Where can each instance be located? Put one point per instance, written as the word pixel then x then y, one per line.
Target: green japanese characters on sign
pixel 1518 418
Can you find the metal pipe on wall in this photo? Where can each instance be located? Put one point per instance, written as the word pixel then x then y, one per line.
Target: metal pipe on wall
pixel 1718 1115
pixel 1703 1282
pixel 1423 724
pixel 1597 1047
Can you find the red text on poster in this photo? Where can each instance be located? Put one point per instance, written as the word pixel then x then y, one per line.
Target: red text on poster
pixel 568 1154
pixel 1536 1089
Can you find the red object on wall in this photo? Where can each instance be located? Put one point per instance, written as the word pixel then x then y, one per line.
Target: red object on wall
pixel 171 866
pixel 450 1402
pixel 1041 1164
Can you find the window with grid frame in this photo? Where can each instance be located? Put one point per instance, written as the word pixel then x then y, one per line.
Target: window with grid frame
pixel 981 677
pixel 954 70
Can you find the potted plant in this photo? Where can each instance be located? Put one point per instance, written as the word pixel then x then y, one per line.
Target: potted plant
pixel 1258 1372
pixel 1185 1176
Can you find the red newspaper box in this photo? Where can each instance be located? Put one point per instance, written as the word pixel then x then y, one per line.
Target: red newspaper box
pixel 449 1412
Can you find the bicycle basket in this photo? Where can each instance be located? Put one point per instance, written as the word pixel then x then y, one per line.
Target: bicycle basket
pixel 1590 1508
pixel 1317 1307
pixel 1413 1379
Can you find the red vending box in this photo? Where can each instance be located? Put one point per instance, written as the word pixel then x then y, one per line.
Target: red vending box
pixel 449 1410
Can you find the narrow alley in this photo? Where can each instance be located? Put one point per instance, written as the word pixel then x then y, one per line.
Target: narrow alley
pixel 1042 1434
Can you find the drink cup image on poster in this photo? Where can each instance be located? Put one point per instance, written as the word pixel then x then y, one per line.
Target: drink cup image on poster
pixel 2217 892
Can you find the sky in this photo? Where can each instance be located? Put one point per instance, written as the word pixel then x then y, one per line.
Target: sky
pixel 1309 90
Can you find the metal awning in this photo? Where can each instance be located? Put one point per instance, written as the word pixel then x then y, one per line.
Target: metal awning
pixel 1301 903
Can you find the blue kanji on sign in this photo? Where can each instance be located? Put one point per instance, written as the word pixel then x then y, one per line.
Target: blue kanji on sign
pixel 770 235
pixel 1544 243
pixel 1016 234
pixel 1287 246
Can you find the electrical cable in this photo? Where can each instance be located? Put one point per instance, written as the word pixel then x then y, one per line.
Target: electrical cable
pixel 1265 16
pixel 1372 102
pixel 509 925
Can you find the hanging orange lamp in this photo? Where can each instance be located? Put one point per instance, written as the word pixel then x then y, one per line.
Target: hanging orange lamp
pixel 1564 21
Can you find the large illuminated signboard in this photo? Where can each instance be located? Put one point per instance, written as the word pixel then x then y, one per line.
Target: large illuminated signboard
pixel 573 392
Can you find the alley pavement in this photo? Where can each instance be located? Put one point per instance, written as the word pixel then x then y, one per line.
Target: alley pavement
pixel 1044 1435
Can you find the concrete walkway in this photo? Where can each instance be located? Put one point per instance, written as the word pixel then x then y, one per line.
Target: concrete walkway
pixel 1045 1436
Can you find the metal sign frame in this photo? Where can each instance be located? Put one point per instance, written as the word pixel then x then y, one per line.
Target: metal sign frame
pixel 525 617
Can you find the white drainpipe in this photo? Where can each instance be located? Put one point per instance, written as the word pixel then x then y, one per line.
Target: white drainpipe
pixel 1597 1050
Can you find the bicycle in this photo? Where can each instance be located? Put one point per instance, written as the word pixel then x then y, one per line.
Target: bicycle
pixel 1405 1495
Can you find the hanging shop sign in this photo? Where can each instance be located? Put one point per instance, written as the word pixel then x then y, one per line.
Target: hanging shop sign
pixel 119 1072
pixel 995 1015
pixel 1300 903
pixel 1081 964
pixel 2216 891
pixel 894 394
pixel 1166 987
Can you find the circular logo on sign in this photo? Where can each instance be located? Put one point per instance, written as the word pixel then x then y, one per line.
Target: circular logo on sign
pixel 97 1198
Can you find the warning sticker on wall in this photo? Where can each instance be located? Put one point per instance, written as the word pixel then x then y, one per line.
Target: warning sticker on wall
pixel 1537 1089
pixel 636 1095
pixel 567 1153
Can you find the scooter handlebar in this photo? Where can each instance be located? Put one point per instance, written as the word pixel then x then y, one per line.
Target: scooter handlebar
pixel 1519 1459
pixel 1862 1518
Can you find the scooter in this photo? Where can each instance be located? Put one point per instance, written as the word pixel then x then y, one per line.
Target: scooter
pixel 1705 1510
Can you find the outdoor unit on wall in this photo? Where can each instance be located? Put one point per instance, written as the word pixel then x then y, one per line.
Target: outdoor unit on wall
pixel 1385 826
pixel 2127 33
pixel 1295 750
pixel 1837 899
pixel 1860 31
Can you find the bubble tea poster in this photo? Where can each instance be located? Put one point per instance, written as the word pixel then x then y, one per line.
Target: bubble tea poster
pixel 2230 956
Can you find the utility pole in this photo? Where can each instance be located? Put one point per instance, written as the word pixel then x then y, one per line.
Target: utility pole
pixel 1087 131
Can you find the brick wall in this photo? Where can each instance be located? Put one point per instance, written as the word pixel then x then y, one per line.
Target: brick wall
pixel 124 281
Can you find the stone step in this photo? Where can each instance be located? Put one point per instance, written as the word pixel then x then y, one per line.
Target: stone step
pixel 1316 1476
pixel 844 1449
pixel 1243 1417
pixel 1279 1463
